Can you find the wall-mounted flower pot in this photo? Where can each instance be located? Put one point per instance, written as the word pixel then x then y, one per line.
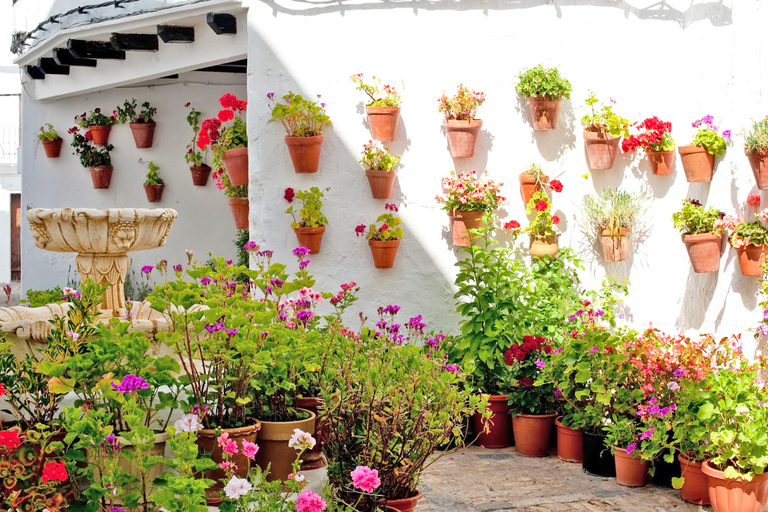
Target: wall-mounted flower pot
pixel 751 259
pixel 499 434
pixel 154 192
pixel 100 134
pixel 544 112
pixel 598 460
pixel 569 442
pixel 631 470
pixel 462 221
pixel 383 121
pixel 52 147
pixel 532 433
pixel 236 165
pixel 381 183
pixel 601 149
pixel 200 174
pixel 529 185
pixel 143 134
pixel 273 445
pixel 616 246
pixel 704 251
pixel 311 238
pixel 695 489
pixel 384 252
pixel 305 153
pixel 101 175
pixel 661 161
pixel 240 211
pixel 544 246
pixel 759 164
pixel 698 164
pixel 735 494
pixel 405 504
pixel 462 136
pixel 206 442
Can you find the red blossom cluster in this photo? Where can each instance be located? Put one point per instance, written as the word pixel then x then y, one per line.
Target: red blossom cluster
pixel 521 351
pixel 512 224
pixel 209 128
pixel 345 287
pixel 55 472
pixel 289 194
pixel 652 136
pixel 556 186
pixel 10 439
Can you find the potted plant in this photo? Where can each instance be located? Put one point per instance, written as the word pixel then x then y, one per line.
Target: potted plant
pixel 384 240
pixel 379 169
pixel 97 124
pixel 141 122
pixel 310 227
pixel 96 159
pixel 655 138
pixel 543 228
pixel 303 121
pixel 756 149
pixel 702 232
pixel 229 144
pixel 534 179
pixel 460 123
pixel 544 88
pixel 699 158
pixel 51 140
pixel 194 157
pixel 153 184
pixel 602 131
pixel 610 218
pixel 750 239
pixel 467 198
pixel 383 109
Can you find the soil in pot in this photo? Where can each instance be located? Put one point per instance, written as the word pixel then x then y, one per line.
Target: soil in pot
pixel 405 504
pixel 499 424
pixel 698 164
pixel 100 134
pixel 383 122
pixel 532 433
pixel 544 246
pixel 143 134
pixel 384 252
pixel 631 471
pixel 759 164
pixel 313 459
pixel 544 112
pixel 616 246
pixel 735 495
pixel 235 163
pixel 311 238
pixel 200 174
pixel 661 161
pixel 598 459
pixel 273 444
pixel 154 192
pixel 462 221
pixel 462 136
pixel 569 442
pixel 601 149
pixel 305 153
pixel 381 183
pixel 240 211
pixel 52 147
pixel 704 251
pixel 751 259
pixel 101 175
pixel 206 442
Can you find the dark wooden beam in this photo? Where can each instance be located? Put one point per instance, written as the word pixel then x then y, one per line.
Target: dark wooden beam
pixel 135 42
pixel 94 50
pixel 176 34
pixel 64 58
pixel 225 69
pixel 170 77
pixel 34 72
pixel 222 23
pixel 50 67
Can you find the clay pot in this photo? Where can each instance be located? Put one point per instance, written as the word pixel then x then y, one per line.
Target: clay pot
pixel 462 221
pixel 751 259
pixel 601 149
pixel 313 459
pixel 273 445
pixel 499 424
pixel 569 442
pixel 101 175
pixel 529 185
pixel 630 471
pixel 311 238
pixel 735 495
pixel 661 161
pixel 544 112
pixel 698 164
pixel 52 147
pixel 305 153
pixel 532 433
pixel 544 246
pixel 381 183
pixel 383 121
pixel 695 487
pixel 597 459
pixel 462 136
pixel 384 252
pixel 100 134
pixel 200 174
pixel 704 251
pixel 240 211
pixel 143 133
pixel 405 504
pixel 235 162
pixel 616 248
pixel 154 192
pixel 206 443
pixel 759 164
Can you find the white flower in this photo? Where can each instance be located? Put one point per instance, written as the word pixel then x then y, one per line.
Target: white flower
pixel 237 487
pixel 188 423
pixel 743 409
pixel 301 440
pixel 297 477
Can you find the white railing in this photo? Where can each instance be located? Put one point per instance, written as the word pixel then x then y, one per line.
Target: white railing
pixel 9 143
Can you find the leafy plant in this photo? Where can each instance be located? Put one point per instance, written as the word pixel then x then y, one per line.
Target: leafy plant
pixel 612 211
pixel 95 118
pixel 48 132
pixel 603 120
pixel 90 154
pixel 38 298
pixel 309 214
pixel 694 219
pixel 526 361
pixel 756 140
pixel 127 112
pixel 707 136
pixel 377 158
pixel 300 117
pixel 541 81
pixel 745 233
pixel 389 230
pixel 389 98
pixel 544 224
pixel 221 139
pixel 469 192
pixel 654 136
pixel 463 105
pixel 153 177
pixel 194 156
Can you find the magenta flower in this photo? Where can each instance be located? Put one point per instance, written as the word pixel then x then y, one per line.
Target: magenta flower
pixel 178 268
pixel 453 368
pixel 631 448
pixel 130 383
pixel 301 251
pixel 308 501
pixel 230 447
pixel 365 478
pixel 205 281
pixel 593 350
pixel 147 269
pixel 727 134
pixel 359 229
pixel 540 363
pixel 250 245
pixel 303 264
pixel 270 95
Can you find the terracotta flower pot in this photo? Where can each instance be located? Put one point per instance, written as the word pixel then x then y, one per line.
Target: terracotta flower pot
pixel 601 149
pixel 698 164
pixel 759 164
pixel 305 153
pixel 695 486
pixel 311 238
pixel 616 248
pixel 631 470
pixel 661 161
pixel 273 445
pixel 499 424
pixel 52 147
pixel 381 183
pixel 569 442
pixel 383 121
pixel 143 133
pixel 597 458
pixel 751 259
pixel 206 442
pixel 544 246
pixel 235 162
pixel 544 112
pixel 313 459
pixel 100 134
pixel 462 136
pixel 462 221
pixel 532 433
pixel 735 495
pixel 240 211
pixel 101 175
pixel 200 174
pixel 528 185
pixel 154 192
pixel 704 251
pixel 405 504
pixel 384 252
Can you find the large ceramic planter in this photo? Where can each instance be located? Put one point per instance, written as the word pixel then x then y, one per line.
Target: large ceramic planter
pixel 569 442
pixel 383 121
pixel 154 192
pixel 206 442
pixel 601 149
pixel 462 221
pixel 381 183
pixel 305 153
pixel 529 184
pixel 631 471
pixel 240 211
pixel 616 246
pixel 544 112
pixel 405 504
pixel 143 133
pixel 200 174
pixel 704 251
pixel 597 458
pixel 751 259
pixel 661 161
pixel 311 238
pixel 101 175
pixel 695 486
pixel 52 147
pixel 499 424
pixel 544 246
pixel 100 134
pixel 313 459
pixel 462 136
pixel 384 252
pixel 273 445
pixel 235 163
pixel 698 164
pixel 735 495
pixel 759 164
pixel 532 433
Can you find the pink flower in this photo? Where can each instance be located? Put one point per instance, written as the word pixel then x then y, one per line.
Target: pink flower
pixel 250 449
pixel 365 478
pixel 223 438
pixel 308 501
pixel 230 447
pixel 753 200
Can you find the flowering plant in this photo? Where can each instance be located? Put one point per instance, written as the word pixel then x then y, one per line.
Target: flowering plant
pixel 469 192
pixel 461 106
pixel 707 136
pixel 389 230
pixel 604 121
pixel 541 81
pixel 746 233
pixel 377 158
pixel 654 135
pixel 194 156
pixel 526 361
pixel 300 117
pixel 544 224
pixel 221 139
pixel 95 118
pixel 389 98
pixel 756 140
pixel 48 132
pixel 694 219
pixel 309 213
pixel 127 112
pixel 612 211
pixel 90 154
pixel 153 177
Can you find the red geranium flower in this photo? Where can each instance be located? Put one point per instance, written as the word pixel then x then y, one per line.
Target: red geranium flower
pixel 229 100
pixel 9 439
pixel 513 224
pixel 289 194
pixel 555 219
pixel 753 200
pixel 541 206
pixel 225 115
pixel 556 185
pixel 88 135
pixel 55 471
pixel 526 382
pixel 2 389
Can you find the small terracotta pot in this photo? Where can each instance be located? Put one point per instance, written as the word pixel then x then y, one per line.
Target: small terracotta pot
pixel 384 252
pixel 544 246
pixel 735 495
pixel 154 192
pixel 704 251
pixel 630 471
pixel 206 442
pixel 569 442
pixel 273 445
pixel 240 211
pixel 305 153
pixel 499 424
pixel 661 161
pixel 52 147
pixel 381 183
pixel 751 259
pixel 100 134
pixel 143 133
pixel 532 433
pixel 311 238
pixel 544 112
pixel 405 504
pixel 616 248
pixel 695 487
pixel 698 164
pixel 235 163
pixel 601 149
pixel 200 174
pixel 462 221
pixel 759 164
pixel 597 459
pixel 101 175
pixel 383 121
pixel 462 136
pixel 313 459
pixel 529 185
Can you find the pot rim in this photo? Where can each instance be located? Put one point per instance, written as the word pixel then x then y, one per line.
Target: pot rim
pixel 384 243
pixel 713 472
pixel 299 141
pixel 700 237
pixel 549 415
pixel 379 172
pixel 416 497
pixel 311 416
pixel 463 122
pixel 237 430
pixel 387 109
pixel 688 150
pixel 303 230
pixel 544 97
